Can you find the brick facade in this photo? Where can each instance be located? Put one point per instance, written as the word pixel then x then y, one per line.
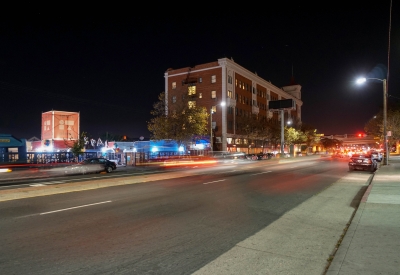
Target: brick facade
pixel 242 92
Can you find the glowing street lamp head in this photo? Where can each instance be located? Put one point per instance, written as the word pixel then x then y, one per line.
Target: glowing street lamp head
pixel 361 80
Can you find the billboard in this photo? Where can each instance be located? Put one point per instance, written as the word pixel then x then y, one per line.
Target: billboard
pixel 284 104
pixel 60 125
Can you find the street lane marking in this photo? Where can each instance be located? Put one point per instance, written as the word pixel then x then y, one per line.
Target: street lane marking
pixel 65 209
pixel 213 181
pixel 261 173
pixel 53 182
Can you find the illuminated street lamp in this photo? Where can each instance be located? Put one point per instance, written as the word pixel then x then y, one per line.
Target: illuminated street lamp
pixel 385 143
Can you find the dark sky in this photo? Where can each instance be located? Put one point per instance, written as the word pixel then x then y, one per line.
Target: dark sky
pixel 108 62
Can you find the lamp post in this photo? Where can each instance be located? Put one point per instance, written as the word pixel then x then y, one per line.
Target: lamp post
pixel 385 143
pixel 211 135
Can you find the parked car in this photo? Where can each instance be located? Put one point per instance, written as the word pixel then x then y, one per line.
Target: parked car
pixel 377 156
pixel 251 157
pixel 91 165
pixel 365 162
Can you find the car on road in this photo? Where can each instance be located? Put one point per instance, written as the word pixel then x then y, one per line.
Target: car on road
pixel 338 155
pixel 365 162
pixel 377 155
pixel 91 165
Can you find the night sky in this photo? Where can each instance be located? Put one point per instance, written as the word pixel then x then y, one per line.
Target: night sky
pixel 108 62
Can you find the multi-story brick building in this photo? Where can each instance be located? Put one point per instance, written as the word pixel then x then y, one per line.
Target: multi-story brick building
pixel 230 91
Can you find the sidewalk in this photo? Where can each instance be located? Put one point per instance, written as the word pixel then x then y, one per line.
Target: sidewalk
pixel 371 244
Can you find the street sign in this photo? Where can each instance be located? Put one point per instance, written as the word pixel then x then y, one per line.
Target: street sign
pixel 288 104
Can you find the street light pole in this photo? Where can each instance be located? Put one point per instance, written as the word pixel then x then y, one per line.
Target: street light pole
pixel 385 141
pixel 385 122
pixel 282 131
pixel 211 137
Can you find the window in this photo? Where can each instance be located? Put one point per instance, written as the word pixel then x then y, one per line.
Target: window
pixel 230 94
pixel 173 85
pixel 213 78
pixel 200 95
pixel 200 79
pixel 213 94
pixel 230 125
pixel 236 82
pixel 191 104
pixel 230 79
pixel 191 90
pixel 174 99
pixel 214 109
pixel 240 84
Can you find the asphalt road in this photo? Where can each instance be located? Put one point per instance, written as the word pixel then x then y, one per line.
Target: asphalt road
pixel 184 225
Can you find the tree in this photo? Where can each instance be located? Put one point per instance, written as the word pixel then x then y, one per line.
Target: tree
pixel 331 143
pixel 180 121
pixel 293 136
pixel 393 125
pixel 78 146
pixel 310 134
pixel 375 125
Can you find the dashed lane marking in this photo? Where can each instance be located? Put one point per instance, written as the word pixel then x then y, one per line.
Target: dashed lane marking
pixel 70 208
pixel 261 173
pixel 213 181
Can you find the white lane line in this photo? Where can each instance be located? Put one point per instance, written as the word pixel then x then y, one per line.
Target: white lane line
pixel 65 209
pixel 213 181
pixel 36 185
pixel 53 182
pixel 261 173
pixel 225 172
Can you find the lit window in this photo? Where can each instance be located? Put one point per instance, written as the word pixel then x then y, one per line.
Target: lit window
pixel 213 94
pixel 240 84
pixel 174 99
pixel 191 90
pixel 200 95
pixel 230 94
pixel 214 109
pixel 213 78
pixel 173 85
pixel 236 82
pixel 191 104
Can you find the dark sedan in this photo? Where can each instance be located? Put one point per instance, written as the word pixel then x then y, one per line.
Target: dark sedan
pixel 363 162
pixel 92 165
